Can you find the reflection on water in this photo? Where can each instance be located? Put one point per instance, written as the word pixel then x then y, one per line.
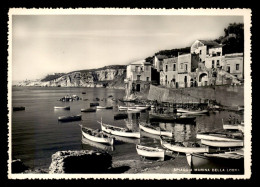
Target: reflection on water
pixel 36 133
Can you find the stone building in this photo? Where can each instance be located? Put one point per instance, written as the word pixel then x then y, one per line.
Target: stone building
pixel 158 62
pixel 138 76
pixel 169 75
pixel 234 64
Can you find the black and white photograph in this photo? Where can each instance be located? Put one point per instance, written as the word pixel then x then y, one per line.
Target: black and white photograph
pixel 129 93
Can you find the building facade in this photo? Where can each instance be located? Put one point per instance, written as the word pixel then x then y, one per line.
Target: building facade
pixel 234 64
pixel 169 75
pixel 138 76
pixel 158 62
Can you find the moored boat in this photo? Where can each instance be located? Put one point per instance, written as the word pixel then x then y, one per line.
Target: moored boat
pixel 18 108
pixel 178 147
pixel 217 163
pixel 62 107
pixel 215 143
pixel 104 107
pixel 93 104
pixel 150 152
pixel 120 116
pixel 119 131
pixel 215 136
pixel 127 100
pixel 69 118
pixel 154 130
pixel 194 112
pixel 241 127
pixel 172 118
pixel 88 110
pixel 126 107
pixel 227 126
pixel 96 136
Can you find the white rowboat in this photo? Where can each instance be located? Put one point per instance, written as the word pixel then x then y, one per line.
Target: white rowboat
pixel 62 107
pixel 155 131
pixel 150 152
pixel 215 137
pixel 223 143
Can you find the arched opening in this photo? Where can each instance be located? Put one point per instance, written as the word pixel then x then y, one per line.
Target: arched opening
pixel 203 75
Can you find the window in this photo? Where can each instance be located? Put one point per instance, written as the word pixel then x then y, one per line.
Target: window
pixel 174 67
pixel 181 65
pixel 166 68
pixel 186 67
pixel 237 66
pixel 147 78
pixel 213 63
pixel 138 77
pixel 217 63
pixel 200 52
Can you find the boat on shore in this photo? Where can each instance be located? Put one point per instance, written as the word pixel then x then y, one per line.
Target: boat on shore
pixel 216 137
pixel 69 118
pixel 150 152
pixel 96 135
pixel 18 108
pixel 216 163
pixel 155 130
pixel 62 107
pixel 119 131
pixel 178 147
pixel 193 112
pixel 104 147
pixel 172 118
pixel 215 143
pixel 104 107
pixel 88 110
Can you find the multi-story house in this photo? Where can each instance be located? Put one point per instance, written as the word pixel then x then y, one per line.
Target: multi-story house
pixel 169 75
pixel 233 64
pixel 184 69
pixel 158 62
pixel 138 75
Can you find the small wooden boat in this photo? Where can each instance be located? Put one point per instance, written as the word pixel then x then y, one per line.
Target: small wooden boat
pixel 216 137
pixel 88 110
pixel 120 116
pixel 104 107
pixel 150 152
pixel 104 147
pixel 134 110
pixel 96 136
pixel 124 139
pixel 172 118
pixel 18 108
pixel 143 107
pixel 182 149
pixel 83 92
pixel 69 118
pixel 93 104
pixel 119 131
pixel 229 126
pixel 62 107
pixel 216 163
pixel 154 130
pixel 194 112
pixel 126 107
pixel 215 143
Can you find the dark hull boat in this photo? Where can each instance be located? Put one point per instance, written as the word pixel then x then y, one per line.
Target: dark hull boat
pixel 93 104
pixel 69 118
pixel 171 118
pixel 88 110
pixel 216 163
pixel 120 116
pixel 127 100
pixel 18 108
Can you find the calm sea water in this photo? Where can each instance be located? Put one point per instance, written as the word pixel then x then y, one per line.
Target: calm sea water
pixel 37 134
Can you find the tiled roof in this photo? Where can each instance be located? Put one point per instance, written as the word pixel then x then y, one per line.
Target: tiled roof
pixel 210 43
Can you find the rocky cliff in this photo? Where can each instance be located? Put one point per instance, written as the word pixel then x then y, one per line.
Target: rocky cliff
pixel 108 76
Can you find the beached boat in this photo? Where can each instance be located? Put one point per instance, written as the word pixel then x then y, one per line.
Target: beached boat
pixel 69 118
pixel 193 112
pixel 217 163
pixel 216 136
pixel 88 110
pixel 120 116
pixel 150 152
pixel 104 107
pixel 178 147
pixel 119 131
pixel 124 139
pixel 154 130
pixel 105 147
pixel 215 143
pixel 172 118
pixel 96 135
pixel 18 108
pixel 62 107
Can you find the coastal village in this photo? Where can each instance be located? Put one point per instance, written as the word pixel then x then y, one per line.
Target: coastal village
pixel 205 65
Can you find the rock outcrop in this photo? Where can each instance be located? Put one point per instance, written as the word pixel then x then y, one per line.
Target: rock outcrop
pixel 83 161
pixel 18 166
pixel 109 76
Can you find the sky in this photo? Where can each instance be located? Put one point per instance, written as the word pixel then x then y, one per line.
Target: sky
pixel 46 44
